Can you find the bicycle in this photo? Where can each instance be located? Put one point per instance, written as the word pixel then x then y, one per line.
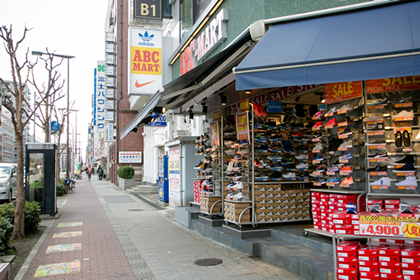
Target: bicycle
pixel 70 184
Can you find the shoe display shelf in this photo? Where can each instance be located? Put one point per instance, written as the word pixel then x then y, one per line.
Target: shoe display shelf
pixel 208 189
pixel 394 171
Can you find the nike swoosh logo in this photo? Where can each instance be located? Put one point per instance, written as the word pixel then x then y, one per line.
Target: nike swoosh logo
pixel 142 85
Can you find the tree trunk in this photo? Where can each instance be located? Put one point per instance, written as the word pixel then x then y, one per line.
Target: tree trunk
pixel 19 226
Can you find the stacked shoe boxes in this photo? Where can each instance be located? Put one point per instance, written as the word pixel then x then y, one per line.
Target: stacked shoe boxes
pixel 347 262
pixel 207 202
pixel 389 257
pixel 410 262
pixel 324 207
pixel 387 204
pixel 197 191
pixel 368 262
pixel 233 211
pixel 272 204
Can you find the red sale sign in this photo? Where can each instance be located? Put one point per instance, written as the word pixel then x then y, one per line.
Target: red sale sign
pixel 389 226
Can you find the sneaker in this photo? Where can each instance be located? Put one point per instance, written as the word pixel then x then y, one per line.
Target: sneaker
pixel 406 159
pixel 346 107
pixel 405 208
pixel 406 137
pixel 238 196
pixel 382 181
pixel 403 114
pixel 377 126
pixel 238 185
pixel 375 208
pixel 318 147
pixel 344 122
pixel 409 181
pixel 348 181
pixel 377 168
pixel 376 142
pixel 377 102
pixel 374 117
pixel 346 169
pixel 318 114
pixel 274 158
pixel 398 141
pixel 405 168
pixel 243 142
pixel 317 125
pixel 302 157
pixel 262 176
pixel 346 131
pixel 302 166
pixel 378 155
pixel 333 180
pixel 334 168
pixel 332 122
pixel 351 208
pixel 319 157
pixel 299 134
pixel 290 175
pixel 321 180
pixel 332 111
pixel 346 156
pixel 347 144
pixel 199 165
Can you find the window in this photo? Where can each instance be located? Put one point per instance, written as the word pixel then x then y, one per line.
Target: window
pixel 191 10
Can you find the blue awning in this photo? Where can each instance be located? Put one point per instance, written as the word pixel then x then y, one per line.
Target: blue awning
pixel 368 44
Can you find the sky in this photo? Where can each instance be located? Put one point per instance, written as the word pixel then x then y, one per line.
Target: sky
pixel 73 28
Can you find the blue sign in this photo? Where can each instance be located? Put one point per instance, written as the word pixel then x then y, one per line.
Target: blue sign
pixel 55 126
pixel 274 107
pixel 161 121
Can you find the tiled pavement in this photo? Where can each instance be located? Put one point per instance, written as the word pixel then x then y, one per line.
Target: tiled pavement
pixel 124 238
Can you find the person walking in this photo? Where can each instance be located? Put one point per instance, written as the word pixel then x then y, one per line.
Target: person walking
pixel 89 173
pixel 100 173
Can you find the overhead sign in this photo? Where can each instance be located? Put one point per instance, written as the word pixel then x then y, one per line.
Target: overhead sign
pixel 393 84
pixel 99 98
pixel 161 121
pixel 129 157
pixel 145 73
pixel 207 41
pixel 274 107
pixel 147 9
pixel 338 92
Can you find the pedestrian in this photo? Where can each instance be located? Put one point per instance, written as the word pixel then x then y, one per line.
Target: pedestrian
pixel 89 173
pixel 100 173
pixel 93 170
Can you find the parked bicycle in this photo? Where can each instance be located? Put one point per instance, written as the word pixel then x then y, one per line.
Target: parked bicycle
pixel 70 184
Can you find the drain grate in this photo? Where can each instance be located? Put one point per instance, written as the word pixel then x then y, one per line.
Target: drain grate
pixel 208 262
pixel 135 209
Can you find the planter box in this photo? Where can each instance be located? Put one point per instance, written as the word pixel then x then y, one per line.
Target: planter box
pixel 126 183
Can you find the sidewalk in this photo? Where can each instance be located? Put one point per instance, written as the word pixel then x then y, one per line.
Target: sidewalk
pixel 124 238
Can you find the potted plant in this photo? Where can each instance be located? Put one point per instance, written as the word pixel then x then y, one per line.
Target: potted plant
pixel 125 177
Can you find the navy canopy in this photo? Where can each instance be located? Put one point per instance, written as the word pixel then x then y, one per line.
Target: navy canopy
pixel 368 44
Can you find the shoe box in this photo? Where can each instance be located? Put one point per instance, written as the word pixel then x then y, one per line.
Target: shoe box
pixel 347 263
pixel 197 190
pixel 206 203
pixel 325 205
pixel 392 204
pixel 233 211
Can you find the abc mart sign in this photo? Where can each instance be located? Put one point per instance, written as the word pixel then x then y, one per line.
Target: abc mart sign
pixel 145 67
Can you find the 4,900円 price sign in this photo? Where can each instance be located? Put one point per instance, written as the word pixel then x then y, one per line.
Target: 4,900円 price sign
pixel 390 226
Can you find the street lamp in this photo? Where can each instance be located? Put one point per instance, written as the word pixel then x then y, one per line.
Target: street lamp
pixel 68 57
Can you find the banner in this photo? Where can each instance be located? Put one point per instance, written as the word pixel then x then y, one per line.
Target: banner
pixel 145 74
pixel 174 174
pixel 214 133
pixel 338 92
pixel 393 84
pixel 242 126
pixel 109 135
pixel 389 226
pixel 99 98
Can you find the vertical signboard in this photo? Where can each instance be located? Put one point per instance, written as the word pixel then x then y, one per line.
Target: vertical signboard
pixel 242 126
pixel 145 72
pixel 214 133
pixel 174 173
pixel 147 9
pixel 100 99
pixel 109 132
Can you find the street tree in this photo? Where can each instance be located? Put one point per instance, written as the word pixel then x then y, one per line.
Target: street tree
pixel 20 110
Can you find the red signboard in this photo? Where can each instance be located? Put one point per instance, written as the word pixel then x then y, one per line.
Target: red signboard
pixel 338 92
pixel 393 84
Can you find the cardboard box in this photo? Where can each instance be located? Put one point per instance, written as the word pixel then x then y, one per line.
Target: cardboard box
pixel 346 276
pixel 369 258
pixel 347 260
pixel 347 271
pixel 390 265
pixel 391 276
pixel 389 258
pixel 390 270
pixel 411 266
pixel 373 275
pixel 367 263
pixel 352 265
pixel 347 254
pixel 411 277
pixel 412 272
pixel 369 269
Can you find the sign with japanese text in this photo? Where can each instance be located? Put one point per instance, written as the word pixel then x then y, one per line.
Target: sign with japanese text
pixel 129 157
pixel 338 92
pixel 274 107
pixel 145 73
pixel 214 133
pixel 216 115
pixel 242 126
pixel 393 84
pixel 389 226
pixel 244 105
pixel 174 163
pixel 99 98
pixel 109 134
pixel 203 44
pixel 275 95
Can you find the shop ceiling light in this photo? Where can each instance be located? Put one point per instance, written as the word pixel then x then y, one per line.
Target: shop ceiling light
pixel 248 92
pixel 159 110
pixel 223 100
pixel 191 115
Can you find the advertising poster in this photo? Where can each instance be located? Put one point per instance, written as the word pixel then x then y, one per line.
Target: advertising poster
pixel 242 126
pixel 174 174
pixel 214 133
pixel 145 50
pixel 389 226
pixel 393 84
pixel 338 92
pixel 57 268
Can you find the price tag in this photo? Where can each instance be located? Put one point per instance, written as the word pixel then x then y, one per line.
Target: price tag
pixel 377 147
pixel 331 152
pixel 329 126
pixel 397 227
pixel 330 173
pixel 407 187
pixel 316 161
pixel 341 112
pixel 404 105
pixel 316 128
pixel 316 139
pixel 374 121
pixel 407 150
pixel 381 173
pixel 370 107
pixel 316 151
pixel 342 148
pixel 318 184
pixel 329 115
pixel 343 136
pixel 345 173
pixel 377 160
pixel 343 124
pixel 331 184
pixel 374 133
pixel 344 186
pixel 380 187
pixel 408 173
pixel 343 161
pixel 400 119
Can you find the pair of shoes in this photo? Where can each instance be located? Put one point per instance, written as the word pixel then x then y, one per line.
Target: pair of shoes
pixel 406 159
pixel 402 139
pixel 404 114
pixel 378 155
pixel 377 102
pixel 381 182
pixel 334 143
pixel 332 111
pixel 346 156
pixel 317 125
pixel 331 122
pixel 348 181
pixel 287 146
pixel 377 168
pixel 259 110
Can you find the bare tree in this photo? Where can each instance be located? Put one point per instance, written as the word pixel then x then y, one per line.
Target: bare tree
pixel 14 101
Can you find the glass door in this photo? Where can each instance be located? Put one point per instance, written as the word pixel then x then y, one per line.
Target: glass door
pixel 36 178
